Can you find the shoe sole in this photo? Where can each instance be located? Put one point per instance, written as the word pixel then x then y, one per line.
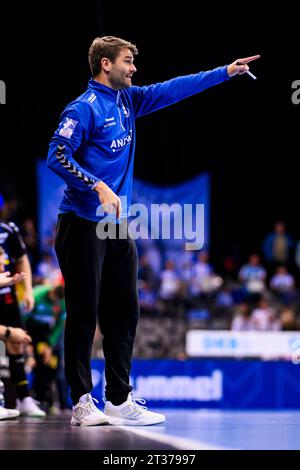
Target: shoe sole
pixel 75 422
pixel 132 422
pixel 3 418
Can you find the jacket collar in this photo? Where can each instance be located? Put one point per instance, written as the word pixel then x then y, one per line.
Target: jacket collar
pixel 96 86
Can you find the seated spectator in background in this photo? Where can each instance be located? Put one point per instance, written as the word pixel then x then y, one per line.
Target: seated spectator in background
pixel 170 294
pixel 288 320
pixel 204 280
pixel 150 249
pixel 282 281
pixel 201 272
pixel 264 317
pixel 253 275
pixel 224 297
pixel 229 266
pixel 146 273
pixel 242 320
pixel 148 299
pixel 170 284
pixel 283 284
pixel 47 270
pixel 186 272
pixel 231 263
pixel 278 247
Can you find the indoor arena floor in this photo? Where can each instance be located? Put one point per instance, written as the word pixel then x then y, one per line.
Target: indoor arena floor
pixel 183 430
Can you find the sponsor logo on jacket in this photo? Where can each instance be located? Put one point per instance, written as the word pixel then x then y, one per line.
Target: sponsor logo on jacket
pixel 118 144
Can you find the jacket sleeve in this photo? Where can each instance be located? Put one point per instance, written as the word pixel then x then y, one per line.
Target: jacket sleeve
pixel 148 99
pixel 75 126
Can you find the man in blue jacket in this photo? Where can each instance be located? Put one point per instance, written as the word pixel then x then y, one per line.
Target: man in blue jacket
pixel 93 151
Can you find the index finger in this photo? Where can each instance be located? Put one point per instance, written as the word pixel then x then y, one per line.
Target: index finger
pixel 249 59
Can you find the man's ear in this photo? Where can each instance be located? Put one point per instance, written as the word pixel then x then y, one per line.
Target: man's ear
pixel 105 64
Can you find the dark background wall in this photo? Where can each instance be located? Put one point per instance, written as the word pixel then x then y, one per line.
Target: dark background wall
pixel 244 132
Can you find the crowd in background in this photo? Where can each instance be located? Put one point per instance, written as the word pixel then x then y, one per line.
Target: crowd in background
pixel 260 294
pixel 178 291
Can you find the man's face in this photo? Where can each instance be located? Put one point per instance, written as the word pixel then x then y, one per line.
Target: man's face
pixel 122 70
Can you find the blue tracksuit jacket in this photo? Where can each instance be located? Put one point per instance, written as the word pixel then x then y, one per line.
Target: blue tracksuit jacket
pixel 95 139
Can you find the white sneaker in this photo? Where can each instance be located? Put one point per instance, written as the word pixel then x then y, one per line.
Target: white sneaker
pixel 85 413
pixel 29 407
pixel 132 414
pixel 6 413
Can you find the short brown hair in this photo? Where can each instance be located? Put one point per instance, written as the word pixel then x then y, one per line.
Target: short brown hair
pixel 107 46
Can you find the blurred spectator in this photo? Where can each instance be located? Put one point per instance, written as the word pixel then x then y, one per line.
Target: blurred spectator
pixel 231 262
pixel 151 250
pixel 242 320
pixel 229 265
pixel 170 283
pixel 253 275
pixel 204 281
pixel 148 299
pixel 146 273
pixel 288 320
pixel 278 246
pixel 47 270
pixel 282 281
pixel 264 317
pixel 224 297
pixel 186 272
pixel 283 284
